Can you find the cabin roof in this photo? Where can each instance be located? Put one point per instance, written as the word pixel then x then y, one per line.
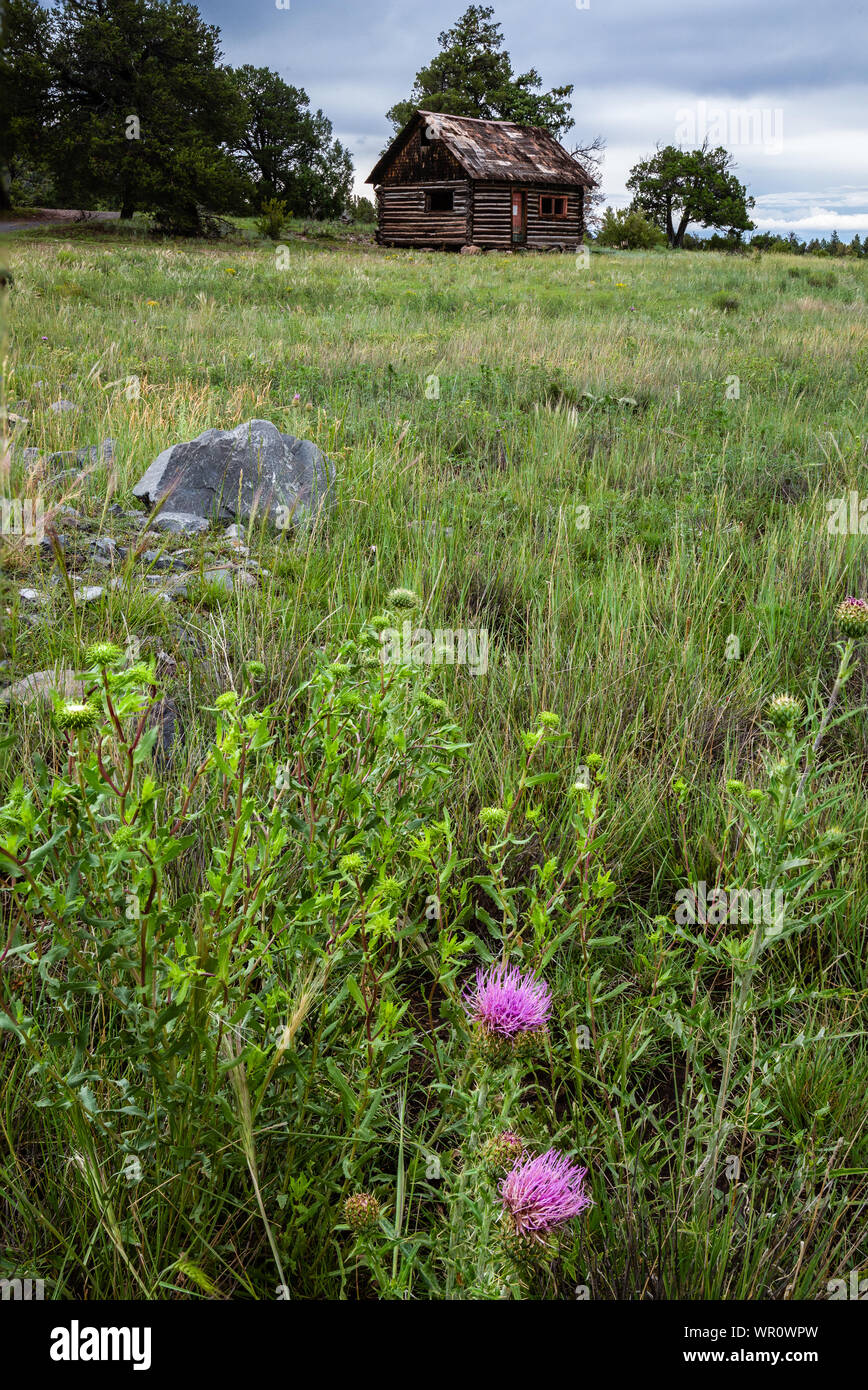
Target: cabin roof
pixel 494 150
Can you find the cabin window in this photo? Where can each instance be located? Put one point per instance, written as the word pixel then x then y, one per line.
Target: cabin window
pixel 441 200
pixel 550 206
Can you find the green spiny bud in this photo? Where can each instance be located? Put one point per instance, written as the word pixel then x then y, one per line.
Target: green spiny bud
pixel 75 716
pixel 784 710
pixel 852 617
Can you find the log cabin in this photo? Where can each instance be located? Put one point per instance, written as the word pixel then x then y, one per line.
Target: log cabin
pixel 457 181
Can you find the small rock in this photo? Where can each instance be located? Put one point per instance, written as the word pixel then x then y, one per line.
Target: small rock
pixel 44 685
pixel 179 523
pixel 33 596
pixel 164 717
pixel 229 579
pixel 103 549
pixel 155 560
pixel 62 407
pixel 234 532
pixel 91 593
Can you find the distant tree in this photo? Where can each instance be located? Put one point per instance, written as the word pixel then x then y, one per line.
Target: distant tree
pixel 629 230
pixel 363 210
pixel 473 76
pixel 143 110
pixel 25 77
pixel 855 247
pixel 287 151
pixel 676 187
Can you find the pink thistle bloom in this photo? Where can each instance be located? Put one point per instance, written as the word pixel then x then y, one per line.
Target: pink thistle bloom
pixel 507 1002
pixel 542 1193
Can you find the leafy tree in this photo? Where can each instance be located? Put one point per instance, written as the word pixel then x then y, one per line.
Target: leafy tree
pixel 285 150
pixel 676 187
pixel 143 110
pixel 628 229
pixel 25 41
pixel 363 210
pixel 472 76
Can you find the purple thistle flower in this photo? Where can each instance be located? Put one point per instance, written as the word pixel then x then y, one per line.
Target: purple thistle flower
pixel 544 1192
pixel 507 1002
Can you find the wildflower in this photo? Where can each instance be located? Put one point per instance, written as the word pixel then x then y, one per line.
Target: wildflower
pixel 756 794
pixel 103 654
pixel 542 1193
pixel 501 1150
pixel 228 700
pixel 296 398
pixel 362 1211
pixel 351 864
pixel 76 715
pixel 492 817
pixel 380 621
pixel 852 617
pixel 506 1003
pixel 735 786
pixel 152 303
pixel 124 836
pixel 230 270
pixel 594 761
pixel 255 670
pixel 547 720
pixel 404 598
pixel 784 710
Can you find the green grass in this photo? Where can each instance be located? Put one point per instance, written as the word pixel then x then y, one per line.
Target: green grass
pixel 556 389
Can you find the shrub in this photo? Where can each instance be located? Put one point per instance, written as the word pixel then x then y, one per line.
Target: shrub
pixel 628 230
pixel 272 217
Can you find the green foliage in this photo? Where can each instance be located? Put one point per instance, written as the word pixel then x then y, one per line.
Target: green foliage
pixel 684 186
pixel 629 230
pixel 143 111
pixel 287 151
pixel 363 210
pixel 471 76
pixel 271 218
pixel 303 921
pixel 24 91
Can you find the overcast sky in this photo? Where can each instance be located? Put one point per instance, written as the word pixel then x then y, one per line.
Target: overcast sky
pixel 781 83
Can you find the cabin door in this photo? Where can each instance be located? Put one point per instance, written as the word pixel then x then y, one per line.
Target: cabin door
pixel 519 217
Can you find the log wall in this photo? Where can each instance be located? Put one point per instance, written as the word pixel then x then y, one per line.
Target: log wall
pixel 404 219
pixel 482 214
pixel 545 232
pixel 492 215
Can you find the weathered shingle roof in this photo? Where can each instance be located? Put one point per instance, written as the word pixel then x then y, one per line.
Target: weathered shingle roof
pixel 495 150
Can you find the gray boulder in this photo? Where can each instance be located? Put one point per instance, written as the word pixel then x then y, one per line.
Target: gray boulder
pixel 230 475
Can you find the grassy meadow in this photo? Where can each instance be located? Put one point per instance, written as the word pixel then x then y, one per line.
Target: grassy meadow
pixel 228 1003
